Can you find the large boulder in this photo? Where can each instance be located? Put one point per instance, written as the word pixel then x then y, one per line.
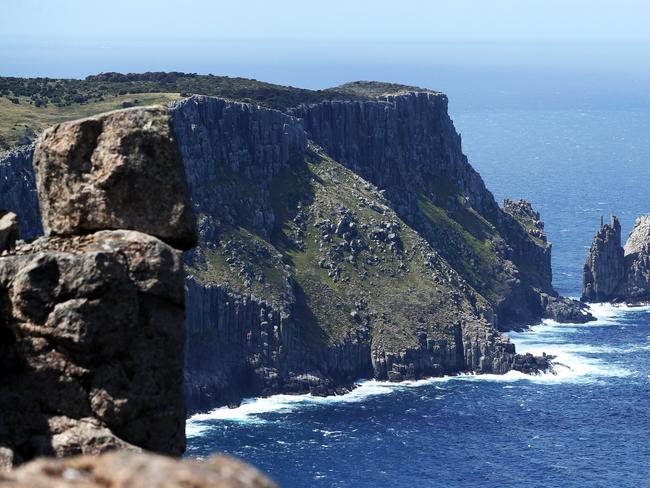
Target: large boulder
pixel 92 316
pixel 126 470
pixel 118 170
pixel 91 346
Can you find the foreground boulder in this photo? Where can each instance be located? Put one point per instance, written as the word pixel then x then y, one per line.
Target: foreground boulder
pixel 118 170
pixel 122 470
pixel 92 317
pixel 615 273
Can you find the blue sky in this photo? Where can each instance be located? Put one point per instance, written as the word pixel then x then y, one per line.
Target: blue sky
pixel 329 20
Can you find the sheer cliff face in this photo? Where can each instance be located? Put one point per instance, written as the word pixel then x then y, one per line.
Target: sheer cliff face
pixel 407 145
pixel 614 273
pixel 306 277
pixel 18 190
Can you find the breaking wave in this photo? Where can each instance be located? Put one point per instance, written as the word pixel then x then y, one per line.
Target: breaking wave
pixel 575 362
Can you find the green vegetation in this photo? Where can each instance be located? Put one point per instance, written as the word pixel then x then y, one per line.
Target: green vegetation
pixel 28 105
pixel 467 241
pixel 343 260
pixel 19 122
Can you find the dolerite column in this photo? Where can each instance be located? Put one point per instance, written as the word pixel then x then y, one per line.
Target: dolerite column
pixel 92 315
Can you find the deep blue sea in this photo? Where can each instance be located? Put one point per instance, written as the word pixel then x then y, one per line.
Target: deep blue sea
pixel 587 426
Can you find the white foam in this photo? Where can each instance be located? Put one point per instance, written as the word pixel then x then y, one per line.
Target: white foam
pixel 576 363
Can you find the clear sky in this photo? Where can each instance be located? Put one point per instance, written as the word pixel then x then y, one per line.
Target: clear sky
pixel 478 49
pixel 332 19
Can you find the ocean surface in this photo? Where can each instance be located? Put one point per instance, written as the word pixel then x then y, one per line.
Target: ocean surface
pixel 586 426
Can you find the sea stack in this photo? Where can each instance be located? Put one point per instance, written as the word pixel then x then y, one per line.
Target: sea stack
pixel 615 273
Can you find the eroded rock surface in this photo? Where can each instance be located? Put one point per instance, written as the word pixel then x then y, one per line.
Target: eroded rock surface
pixel 129 470
pixel 92 324
pixel 119 170
pixel 605 266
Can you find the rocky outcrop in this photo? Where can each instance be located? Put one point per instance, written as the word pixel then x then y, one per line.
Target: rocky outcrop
pixel 119 170
pixel 614 273
pixel 8 230
pixel 92 324
pixel 605 266
pixel 122 469
pixel 280 236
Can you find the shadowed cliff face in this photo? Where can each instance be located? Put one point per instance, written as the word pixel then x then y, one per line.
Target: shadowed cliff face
pixel 614 273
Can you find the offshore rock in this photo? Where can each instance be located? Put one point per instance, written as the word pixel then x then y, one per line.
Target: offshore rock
pixel 614 273
pixel 604 269
pixel 636 287
pixel 566 310
pixel 125 470
pixel 119 170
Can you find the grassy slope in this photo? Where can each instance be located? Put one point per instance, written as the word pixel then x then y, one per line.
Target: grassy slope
pixel 14 118
pixel 348 280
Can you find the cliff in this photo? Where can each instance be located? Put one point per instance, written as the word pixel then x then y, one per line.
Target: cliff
pixel 18 190
pixel 341 240
pixel 92 320
pixel 614 273
pixel 407 145
pixel 307 277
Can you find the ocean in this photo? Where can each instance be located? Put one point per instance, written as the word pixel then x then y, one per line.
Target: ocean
pixel 586 426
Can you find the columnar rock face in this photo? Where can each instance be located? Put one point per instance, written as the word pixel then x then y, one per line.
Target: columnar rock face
pixel 407 145
pixel 605 266
pixel 18 190
pixel 305 278
pixel 92 324
pixel 614 273
pixel 121 470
